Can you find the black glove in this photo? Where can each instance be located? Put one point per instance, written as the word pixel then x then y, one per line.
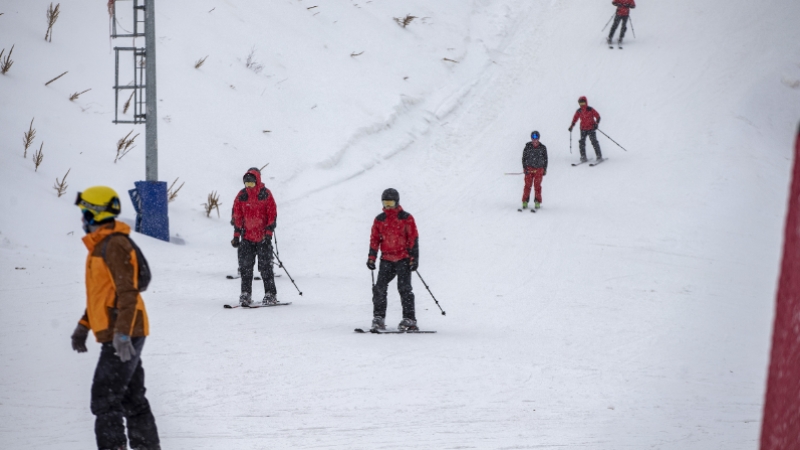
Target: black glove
pixel 570 129
pixel 371 264
pixel 413 264
pixel 594 128
pixel 235 242
pixel 79 338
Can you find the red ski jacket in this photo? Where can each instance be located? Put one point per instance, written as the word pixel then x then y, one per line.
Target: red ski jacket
pixel 624 6
pixel 394 233
pixel 254 212
pixel 589 117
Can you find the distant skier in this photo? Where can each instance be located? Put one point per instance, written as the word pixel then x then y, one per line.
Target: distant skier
pixel 394 233
pixel 590 120
pixel 116 314
pixel 534 163
pixel 254 220
pixel 623 11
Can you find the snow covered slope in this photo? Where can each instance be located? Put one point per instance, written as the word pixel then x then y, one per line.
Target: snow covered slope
pixel 633 311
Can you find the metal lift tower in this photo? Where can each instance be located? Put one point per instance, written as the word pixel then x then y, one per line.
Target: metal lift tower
pixel 150 196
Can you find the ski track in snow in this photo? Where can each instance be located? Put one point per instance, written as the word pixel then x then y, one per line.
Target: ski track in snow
pixel 633 311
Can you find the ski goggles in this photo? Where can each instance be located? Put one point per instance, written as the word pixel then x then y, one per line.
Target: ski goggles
pixel 250 184
pixel 534 135
pixel 112 207
pixel 389 204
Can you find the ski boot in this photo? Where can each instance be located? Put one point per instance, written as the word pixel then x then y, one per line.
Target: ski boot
pixel 269 300
pixel 619 42
pixel 378 324
pixel 608 40
pixel 245 300
pixel 407 325
pixel 584 159
pixel 537 205
pixel 524 205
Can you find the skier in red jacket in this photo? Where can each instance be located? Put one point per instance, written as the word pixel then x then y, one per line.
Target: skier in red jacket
pixel 394 233
pixel 590 120
pixel 254 216
pixel 623 11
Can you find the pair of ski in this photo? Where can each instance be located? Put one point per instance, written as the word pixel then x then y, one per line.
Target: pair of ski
pixel 373 331
pixel 533 210
pixel 255 305
pixel 592 164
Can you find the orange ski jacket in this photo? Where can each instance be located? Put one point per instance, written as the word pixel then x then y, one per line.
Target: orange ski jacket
pixel 113 302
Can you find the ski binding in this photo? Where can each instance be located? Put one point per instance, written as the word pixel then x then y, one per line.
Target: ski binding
pixel 597 161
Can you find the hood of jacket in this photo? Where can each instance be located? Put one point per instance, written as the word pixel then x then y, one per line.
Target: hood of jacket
pixel 95 237
pixel 254 190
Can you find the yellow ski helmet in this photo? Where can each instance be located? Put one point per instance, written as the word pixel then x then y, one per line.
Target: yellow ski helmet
pixel 98 204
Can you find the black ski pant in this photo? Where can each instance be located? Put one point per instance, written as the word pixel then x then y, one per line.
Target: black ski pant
pixel 592 137
pixel 248 251
pixel 617 20
pixel 117 393
pixel 386 273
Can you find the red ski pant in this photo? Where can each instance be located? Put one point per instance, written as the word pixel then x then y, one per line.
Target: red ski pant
pixel 533 176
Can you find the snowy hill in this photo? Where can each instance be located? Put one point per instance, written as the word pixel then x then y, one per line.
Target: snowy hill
pixel 633 311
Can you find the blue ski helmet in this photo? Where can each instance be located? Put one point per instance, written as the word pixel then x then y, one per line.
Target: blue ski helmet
pixel 535 135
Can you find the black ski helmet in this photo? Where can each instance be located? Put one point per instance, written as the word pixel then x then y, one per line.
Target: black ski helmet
pixel 535 135
pixel 391 194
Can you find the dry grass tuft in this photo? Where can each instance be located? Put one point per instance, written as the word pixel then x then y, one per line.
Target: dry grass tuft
pixel 251 62
pixel 52 16
pixel 405 21
pixel 200 62
pixel 27 138
pixel 61 186
pixel 54 79
pixel 38 157
pixel 75 96
pixel 125 145
pixel 7 62
pixel 128 103
pixel 212 203
pixel 172 195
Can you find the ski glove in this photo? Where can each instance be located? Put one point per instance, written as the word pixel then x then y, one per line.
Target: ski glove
pixel 235 242
pixel 570 129
pixel 124 347
pixel 371 264
pixel 79 338
pixel 413 264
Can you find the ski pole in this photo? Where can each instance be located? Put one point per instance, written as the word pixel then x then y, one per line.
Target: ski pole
pixel 277 252
pixel 609 21
pixel 570 142
pixel 372 272
pixel 632 30
pixel 429 291
pixel 611 139
pixel 280 264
